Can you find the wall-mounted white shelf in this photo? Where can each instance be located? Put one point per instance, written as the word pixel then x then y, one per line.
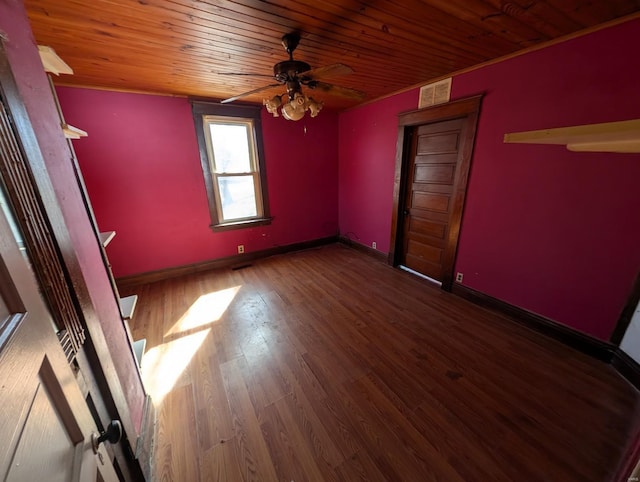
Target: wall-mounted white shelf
pixel 623 136
pixel 106 237
pixel 138 350
pixel 127 306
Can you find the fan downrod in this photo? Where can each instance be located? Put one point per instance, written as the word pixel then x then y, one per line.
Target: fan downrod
pixel 290 42
pixel 288 70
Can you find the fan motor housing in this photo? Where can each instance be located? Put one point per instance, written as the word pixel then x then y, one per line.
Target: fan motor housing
pixel 284 71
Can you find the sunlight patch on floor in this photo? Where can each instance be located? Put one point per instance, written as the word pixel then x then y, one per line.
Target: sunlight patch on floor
pixel 207 309
pixel 163 365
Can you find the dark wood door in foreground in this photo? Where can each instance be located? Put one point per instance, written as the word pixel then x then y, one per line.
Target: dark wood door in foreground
pixel 327 365
pixel 45 424
pixel 430 197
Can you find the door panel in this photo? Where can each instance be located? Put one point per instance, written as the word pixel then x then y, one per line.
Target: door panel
pixel 434 161
pixel 45 424
pixel 416 263
pixel 435 173
pixel 425 251
pixel 44 432
pixel 433 142
pixel 429 201
pixel 425 227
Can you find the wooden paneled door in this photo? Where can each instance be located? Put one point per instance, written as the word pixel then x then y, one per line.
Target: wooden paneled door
pixel 45 425
pixel 432 167
pixel 429 199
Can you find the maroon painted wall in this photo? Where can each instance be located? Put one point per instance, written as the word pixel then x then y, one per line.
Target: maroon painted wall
pixel 142 169
pixel 550 231
pixel 35 91
pixel 367 150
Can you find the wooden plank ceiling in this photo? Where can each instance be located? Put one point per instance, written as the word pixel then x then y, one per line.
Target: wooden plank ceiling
pixel 184 47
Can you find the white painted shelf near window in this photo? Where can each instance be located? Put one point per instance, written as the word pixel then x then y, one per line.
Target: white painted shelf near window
pixel 620 137
pixel 127 306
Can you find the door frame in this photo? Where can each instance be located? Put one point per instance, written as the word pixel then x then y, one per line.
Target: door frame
pixel 94 358
pixel 407 123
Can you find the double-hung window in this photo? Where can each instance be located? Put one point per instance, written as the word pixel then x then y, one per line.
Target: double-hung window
pixel 231 155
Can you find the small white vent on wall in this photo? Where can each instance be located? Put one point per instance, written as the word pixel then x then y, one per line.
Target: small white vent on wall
pixel 434 94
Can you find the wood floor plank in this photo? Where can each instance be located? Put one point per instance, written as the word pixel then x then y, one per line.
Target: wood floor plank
pixel 295 459
pixel 466 454
pixel 375 405
pixel 177 439
pixel 219 463
pixel 360 467
pixel 214 418
pixel 262 383
pixel 329 365
pixel 253 454
pixel 317 438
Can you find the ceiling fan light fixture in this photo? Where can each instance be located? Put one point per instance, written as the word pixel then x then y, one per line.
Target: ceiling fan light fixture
pixel 272 105
pixel 313 106
pixel 294 109
pixel 293 74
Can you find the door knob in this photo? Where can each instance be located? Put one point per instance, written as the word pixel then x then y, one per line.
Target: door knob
pixel 406 212
pixel 113 434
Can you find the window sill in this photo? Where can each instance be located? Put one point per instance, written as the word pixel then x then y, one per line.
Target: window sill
pixel 251 223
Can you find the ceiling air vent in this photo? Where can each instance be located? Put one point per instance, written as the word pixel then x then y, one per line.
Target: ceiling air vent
pixel 434 94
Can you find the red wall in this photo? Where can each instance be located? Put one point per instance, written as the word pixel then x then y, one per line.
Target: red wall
pixel 35 91
pixel 142 170
pixel 553 232
pixel 367 150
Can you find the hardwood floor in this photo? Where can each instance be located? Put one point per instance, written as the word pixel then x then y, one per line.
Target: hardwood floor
pixel 328 365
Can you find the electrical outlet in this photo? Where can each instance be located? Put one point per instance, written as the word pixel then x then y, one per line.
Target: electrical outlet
pixel 240 248
pixel 374 245
pixel 459 277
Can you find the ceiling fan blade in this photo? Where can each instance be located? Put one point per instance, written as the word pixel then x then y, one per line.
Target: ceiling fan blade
pixel 254 91
pixel 248 74
pixel 337 90
pixel 328 71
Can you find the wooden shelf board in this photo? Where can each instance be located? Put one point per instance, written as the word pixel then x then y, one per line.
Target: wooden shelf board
pixel 106 237
pixel 71 132
pixel 51 62
pixel 623 136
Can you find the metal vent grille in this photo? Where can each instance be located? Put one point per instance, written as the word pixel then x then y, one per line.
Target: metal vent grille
pixel 434 94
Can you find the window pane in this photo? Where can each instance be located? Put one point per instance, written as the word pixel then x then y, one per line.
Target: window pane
pixel 238 197
pixel 230 148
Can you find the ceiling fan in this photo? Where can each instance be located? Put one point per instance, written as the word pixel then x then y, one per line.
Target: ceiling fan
pixel 293 74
